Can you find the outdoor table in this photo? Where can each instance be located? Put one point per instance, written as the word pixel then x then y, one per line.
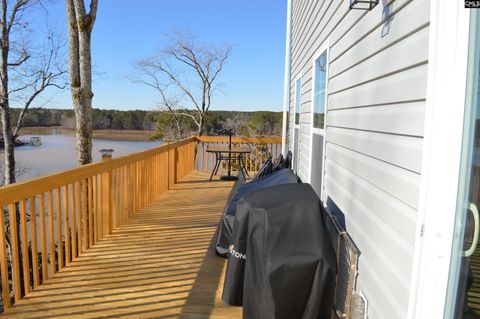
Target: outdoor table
pixel 226 153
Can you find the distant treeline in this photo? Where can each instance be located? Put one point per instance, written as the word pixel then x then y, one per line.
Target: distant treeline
pixel 216 123
pixel 102 119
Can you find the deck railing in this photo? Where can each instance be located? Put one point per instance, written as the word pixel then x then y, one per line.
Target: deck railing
pixel 48 222
pixel 261 147
pixel 63 215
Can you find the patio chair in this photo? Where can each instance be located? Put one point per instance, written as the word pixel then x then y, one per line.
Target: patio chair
pixel 265 169
pixel 288 160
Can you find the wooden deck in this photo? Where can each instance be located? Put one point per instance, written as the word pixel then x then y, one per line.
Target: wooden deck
pixel 160 264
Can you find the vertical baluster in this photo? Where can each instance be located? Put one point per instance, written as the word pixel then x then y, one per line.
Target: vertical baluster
pixel 51 233
pixel 201 153
pixel 160 174
pixel 66 225
pixel 134 187
pixel 78 216
pixel 153 181
pixel 15 256
pixel 148 181
pixel 43 235
pixel 129 192
pixel 74 220
pixel 210 158
pixel 114 198
pixel 90 211
pixel 106 202
pixel 25 254
pixel 122 194
pixel 140 183
pixel 4 262
pixel 84 215
pixel 100 214
pixel 33 234
pixel 59 228
pixel 250 160
pixel 95 208
pixel 138 187
pixel 126 194
pixel 145 182
pixel 261 147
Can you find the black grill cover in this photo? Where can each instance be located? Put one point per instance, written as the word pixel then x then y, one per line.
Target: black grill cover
pixel 281 263
pixel 224 235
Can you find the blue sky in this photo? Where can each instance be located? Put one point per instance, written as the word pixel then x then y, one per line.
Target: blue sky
pixel 127 30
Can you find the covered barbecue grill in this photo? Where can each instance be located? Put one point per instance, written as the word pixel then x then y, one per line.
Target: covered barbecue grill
pixel 281 262
pixel 283 176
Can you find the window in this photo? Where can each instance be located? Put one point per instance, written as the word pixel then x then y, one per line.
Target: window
pixel 320 88
pixel 298 100
pixel 319 110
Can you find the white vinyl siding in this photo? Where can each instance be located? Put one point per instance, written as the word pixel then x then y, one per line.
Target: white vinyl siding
pixel 376 94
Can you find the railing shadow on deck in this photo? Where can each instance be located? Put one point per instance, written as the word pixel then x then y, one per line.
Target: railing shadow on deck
pixel 203 295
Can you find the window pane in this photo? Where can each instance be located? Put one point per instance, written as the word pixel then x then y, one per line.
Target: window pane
pixel 320 90
pixel 298 100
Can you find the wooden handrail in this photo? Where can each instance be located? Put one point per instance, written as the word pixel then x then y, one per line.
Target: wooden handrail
pixel 252 140
pixel 25 189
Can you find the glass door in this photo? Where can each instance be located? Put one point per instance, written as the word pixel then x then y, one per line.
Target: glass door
pixel 463 300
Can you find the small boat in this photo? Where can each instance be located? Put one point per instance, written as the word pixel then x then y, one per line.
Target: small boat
pixel 35 141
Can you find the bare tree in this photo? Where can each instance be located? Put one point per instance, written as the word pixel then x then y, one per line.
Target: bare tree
pixel 24 73
pixel 188 71
pixel 151 76
pixel 80 26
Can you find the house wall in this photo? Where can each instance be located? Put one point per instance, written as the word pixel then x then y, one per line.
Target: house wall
pixel 374 130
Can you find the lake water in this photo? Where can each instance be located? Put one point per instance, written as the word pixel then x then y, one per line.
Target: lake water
pixel 58 152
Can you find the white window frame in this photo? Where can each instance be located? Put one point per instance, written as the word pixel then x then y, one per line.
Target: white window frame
pixel 319 131
pixel 294 114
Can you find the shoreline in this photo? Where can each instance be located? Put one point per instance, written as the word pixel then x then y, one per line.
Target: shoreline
pixel 111 135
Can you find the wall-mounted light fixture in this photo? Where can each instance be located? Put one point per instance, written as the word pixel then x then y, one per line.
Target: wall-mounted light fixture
pixel 363 4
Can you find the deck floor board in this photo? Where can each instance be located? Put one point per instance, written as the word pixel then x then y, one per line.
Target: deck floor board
pixel 160 264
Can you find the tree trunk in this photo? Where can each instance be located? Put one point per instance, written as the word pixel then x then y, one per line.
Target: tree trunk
pixel 83 116
pixel 200 127
pixel 9 147
pixel 5 111
pixel 80 25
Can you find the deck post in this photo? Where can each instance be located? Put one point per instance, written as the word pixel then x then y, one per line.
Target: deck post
pixel 172 167
pixel 107 197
